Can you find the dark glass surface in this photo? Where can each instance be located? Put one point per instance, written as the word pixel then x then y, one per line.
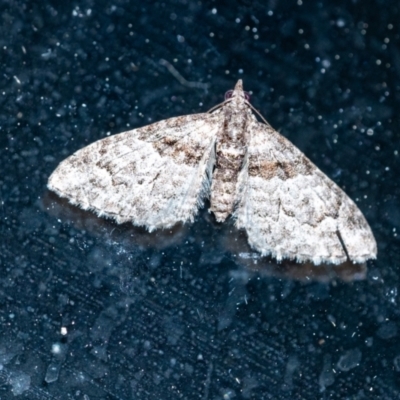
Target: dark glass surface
pixel 93 310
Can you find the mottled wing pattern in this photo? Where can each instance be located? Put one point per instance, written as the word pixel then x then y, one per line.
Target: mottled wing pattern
pixel 290 209
pixel 155 176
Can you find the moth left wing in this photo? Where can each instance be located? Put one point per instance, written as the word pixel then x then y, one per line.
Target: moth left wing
pixel 155 176
pixel 290 209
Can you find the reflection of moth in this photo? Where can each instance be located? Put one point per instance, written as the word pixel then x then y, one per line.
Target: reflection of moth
pixel 159 175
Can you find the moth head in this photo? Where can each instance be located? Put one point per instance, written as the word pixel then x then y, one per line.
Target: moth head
pixel 233 93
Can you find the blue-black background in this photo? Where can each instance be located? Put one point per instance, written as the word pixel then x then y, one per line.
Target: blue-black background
pixel 93 310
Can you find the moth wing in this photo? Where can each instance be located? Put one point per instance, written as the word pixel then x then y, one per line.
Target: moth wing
pixel 290 209
pixel 154 176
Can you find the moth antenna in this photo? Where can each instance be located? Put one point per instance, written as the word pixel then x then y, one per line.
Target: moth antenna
pixel 219 105
pixel 258 113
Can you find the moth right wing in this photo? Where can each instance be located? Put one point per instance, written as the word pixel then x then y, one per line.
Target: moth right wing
pixel 290 209
pixel 154 176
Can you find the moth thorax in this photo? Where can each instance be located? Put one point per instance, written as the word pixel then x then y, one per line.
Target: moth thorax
pixel 234 133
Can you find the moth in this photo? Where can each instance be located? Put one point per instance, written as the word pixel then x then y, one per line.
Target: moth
pixel 160 175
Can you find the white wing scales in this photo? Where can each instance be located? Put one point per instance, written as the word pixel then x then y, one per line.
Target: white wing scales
pixel 159 175
pixel 290 209
pixel 155 176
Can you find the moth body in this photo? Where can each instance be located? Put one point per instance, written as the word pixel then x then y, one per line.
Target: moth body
pixel 159 175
